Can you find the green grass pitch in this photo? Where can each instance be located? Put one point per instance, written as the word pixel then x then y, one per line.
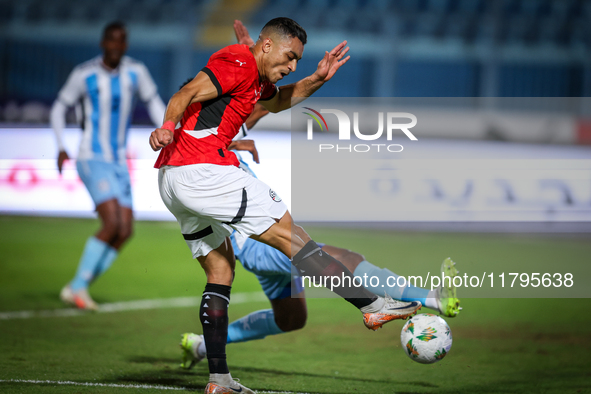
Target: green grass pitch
pixel 500 345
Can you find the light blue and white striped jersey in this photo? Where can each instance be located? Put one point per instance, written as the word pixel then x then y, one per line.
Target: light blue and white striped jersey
pixel 108 98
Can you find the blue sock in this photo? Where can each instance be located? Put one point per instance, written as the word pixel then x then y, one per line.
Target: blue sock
pixel 406 293
pixel 257 325
pixel 110 256
pixel 94 252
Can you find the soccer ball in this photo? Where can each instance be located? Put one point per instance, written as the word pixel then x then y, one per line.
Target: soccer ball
pixel 426 338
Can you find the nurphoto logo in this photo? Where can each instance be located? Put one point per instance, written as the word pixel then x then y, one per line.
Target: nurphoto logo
pixel 393 124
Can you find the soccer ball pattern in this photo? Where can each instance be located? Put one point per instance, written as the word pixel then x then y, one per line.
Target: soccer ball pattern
pixel 426 338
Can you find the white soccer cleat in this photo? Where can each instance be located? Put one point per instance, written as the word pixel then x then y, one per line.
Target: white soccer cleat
pixel 79 299
pixel 189 344
pixel 224 384
pixel 447 301
pixel 391 310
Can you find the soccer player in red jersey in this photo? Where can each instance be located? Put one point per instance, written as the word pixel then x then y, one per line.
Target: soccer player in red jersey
pixel 201 184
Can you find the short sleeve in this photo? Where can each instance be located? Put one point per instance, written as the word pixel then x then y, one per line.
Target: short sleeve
pixel 269 91
pixel 73 89
pixel 230 72
pixel 147 89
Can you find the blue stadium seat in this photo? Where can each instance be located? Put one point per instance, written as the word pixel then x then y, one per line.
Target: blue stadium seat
pixel 461 27
pixel 336 19
pixel 470 6
pixel 430 24
pixel 6 11
pixel 368 21
pixel 348 5
pixel 581 33
pixel 438 6
pixel 564 7
pixel 409 6
pixel 377 5
pixel 531 7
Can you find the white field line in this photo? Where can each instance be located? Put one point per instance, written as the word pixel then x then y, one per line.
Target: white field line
pixel 159 303
pixel 125 386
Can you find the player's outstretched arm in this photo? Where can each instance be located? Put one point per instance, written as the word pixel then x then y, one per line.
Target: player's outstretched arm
pixel 290 95
pixel 198 90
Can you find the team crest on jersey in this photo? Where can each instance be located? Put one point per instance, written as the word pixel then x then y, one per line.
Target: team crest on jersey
pixel 274 196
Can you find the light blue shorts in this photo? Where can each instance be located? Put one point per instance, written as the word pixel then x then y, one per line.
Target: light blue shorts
pixel 106 181
pixel 277 276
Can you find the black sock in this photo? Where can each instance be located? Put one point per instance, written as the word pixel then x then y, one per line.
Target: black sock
pixel 315 263
pixel 214 319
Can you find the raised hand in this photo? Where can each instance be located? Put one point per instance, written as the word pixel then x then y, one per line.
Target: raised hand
pixel 242 35
pixel 332 61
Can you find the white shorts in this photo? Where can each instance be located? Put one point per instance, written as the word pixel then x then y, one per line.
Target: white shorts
pixel 210 201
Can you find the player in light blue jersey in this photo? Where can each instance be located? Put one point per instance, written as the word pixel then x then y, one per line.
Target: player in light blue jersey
pixel 107 88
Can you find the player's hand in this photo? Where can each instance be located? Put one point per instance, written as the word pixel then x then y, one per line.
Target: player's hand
pixel 332 61
pixel 160 138
pixel 242 35
pixel 63 156
pixel 246 145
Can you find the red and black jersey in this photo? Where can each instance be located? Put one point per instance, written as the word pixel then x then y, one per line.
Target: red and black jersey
pixel 207 128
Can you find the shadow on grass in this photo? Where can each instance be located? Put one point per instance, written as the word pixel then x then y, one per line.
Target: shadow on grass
pixel 153 360
pixel 275 372
pixel 197 378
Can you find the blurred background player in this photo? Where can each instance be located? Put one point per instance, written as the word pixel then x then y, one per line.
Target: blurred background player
pixel 107 85
pixel 282 285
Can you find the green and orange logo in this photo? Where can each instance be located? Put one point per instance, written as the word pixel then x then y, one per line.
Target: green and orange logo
pixel 427 335
pixel 440 354
pixel 412 349
pixel 410 327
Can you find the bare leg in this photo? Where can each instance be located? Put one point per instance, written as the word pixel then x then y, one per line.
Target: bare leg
pixel 110 215
pixel 349 258
pixel 219 264
pixel 279 236
pixel 125 227
pixel 290 313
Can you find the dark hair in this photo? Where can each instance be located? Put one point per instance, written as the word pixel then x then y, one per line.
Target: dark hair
pixel 113 26
pixel 287 27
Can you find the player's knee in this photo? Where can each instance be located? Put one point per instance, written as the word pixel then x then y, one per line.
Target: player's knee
pixel 290 313
pixel 292 322
pixel 348 258
pixel 125 233
pixel 111 228
pixel 352 258
pixel 299 240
